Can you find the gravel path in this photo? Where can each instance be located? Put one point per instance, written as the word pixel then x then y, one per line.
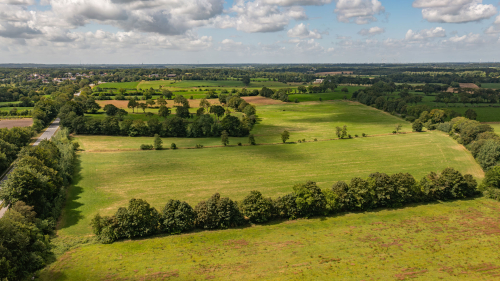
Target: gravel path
pixel 49 132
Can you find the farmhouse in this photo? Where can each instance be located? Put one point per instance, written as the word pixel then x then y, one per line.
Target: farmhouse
pixel 318 81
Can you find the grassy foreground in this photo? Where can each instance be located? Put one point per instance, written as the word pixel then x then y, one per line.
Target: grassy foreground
pixel 109 180
pixel 450 241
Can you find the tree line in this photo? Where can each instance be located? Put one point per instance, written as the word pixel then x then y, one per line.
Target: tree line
pixel 379 190
pixel 35 191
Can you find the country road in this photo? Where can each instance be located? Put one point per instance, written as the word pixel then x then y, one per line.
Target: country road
pixel 49 132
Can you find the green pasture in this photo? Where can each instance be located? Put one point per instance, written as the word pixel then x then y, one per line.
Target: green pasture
pixel 9 102
pixel 455 240
pixel 484 113
pixel 18 108
pixel 496 127
pixel 490 85
pixel 336 95
pixel 118 85
pixel 307 120
pixel 107 180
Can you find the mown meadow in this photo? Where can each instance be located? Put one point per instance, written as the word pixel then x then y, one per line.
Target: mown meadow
pixel 441 241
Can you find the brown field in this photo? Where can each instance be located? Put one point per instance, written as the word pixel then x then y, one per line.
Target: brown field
pixel 468 86
pixel 25 122
pixel 334 73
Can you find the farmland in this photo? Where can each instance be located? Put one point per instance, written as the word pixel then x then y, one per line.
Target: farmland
pixel 108 180
pixel 447 240
pixel 303 121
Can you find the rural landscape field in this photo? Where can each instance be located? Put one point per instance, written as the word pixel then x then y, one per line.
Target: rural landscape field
pixel 249 140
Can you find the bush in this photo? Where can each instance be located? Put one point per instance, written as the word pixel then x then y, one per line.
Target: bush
pixel 251 140
pixel 296 100
pixel 257 208
pixel 177 217
pixel 199 146
pixel 146 147
pixel 309 199
pixel 218 212
pixel 286 207
pixel 364 135
pixel 239 144
pixel 173 146
pixel 417 126
pixel 444 127
pixel 138 220
pixel 450 184
pixel 158 143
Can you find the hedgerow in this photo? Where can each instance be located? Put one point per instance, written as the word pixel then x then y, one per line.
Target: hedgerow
pixel 379 190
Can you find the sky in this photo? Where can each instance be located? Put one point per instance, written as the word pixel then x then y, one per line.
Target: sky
pixel 248 31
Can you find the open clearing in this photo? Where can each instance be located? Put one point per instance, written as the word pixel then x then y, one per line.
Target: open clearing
pixel 108 180
pixel 450 241
pixel 25 122
pixel 306 120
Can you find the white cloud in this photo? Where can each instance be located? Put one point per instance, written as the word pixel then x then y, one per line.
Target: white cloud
pixel 229 45
pixel 301 31
pixel 255 16
pixel 371 31
pixel 495 28
pixel 454 11
pixel 358 11
pixel 425 34
pixel 289 3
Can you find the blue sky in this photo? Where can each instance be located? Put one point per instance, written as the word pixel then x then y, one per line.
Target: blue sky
pixel 242 31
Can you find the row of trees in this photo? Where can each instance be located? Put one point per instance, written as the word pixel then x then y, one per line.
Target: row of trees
pixel 35 191
pixel 479 138
pixel 11 142
pixel 377 191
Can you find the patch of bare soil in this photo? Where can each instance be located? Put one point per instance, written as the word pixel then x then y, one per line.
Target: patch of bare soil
pixel 468 86
pixel 258 100
pixel 25 122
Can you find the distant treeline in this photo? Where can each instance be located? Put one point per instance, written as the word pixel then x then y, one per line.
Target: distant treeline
pixel 379 190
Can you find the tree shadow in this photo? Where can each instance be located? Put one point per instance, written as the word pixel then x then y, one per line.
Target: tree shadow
pixel 71 215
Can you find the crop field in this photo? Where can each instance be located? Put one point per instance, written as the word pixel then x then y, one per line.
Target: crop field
pixel 308 120
pixel 227 84
pixel 107 180
pixel 24 122
pixel 443 241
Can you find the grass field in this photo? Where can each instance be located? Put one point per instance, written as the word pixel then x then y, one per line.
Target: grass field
pixel 496 127
pixel 18 108
pixel 210 84
pixel 107 180
pixel 443 241
pixel 118 85
pixel 491 85
pixel 484 114
pixel 306 120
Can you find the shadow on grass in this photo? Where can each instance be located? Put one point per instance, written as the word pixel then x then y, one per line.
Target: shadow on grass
pixel 71 215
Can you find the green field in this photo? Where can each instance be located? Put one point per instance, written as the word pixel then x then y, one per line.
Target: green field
pixel 443 241
pixel 484 114
pixel 491 85
pixel 107 180
pixel 19 109
pixel 303 120
pixel 496 127
pixel 210 84
pixel 118 85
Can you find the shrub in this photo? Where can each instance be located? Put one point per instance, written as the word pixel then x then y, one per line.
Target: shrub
pixel 489 154
pixel 491 183
pixel 177 217
pixel 444 127
pixel 364 135
pixel 450 184
pixel 394 132
pixel 344 199
pixel 173 146
pixel 286 207
pixel 417 126
pixel 251 139
pixel 146 147
pixel 239 144
pixel 138 220
pixel 296 100
pixel 218 212
pixel 299 141
pixel 309 199
pixel 158 143
pixel 356 136
pixel 257 208
pixel 315 139
pixel 199 146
